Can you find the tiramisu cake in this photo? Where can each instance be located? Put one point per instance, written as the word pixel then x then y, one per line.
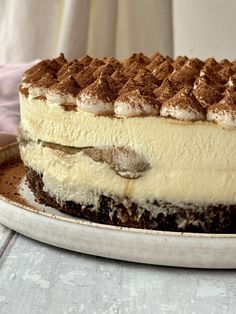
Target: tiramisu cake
pixel 147 142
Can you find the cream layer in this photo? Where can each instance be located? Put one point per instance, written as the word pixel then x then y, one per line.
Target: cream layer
pixel 80 179
pixel 189 162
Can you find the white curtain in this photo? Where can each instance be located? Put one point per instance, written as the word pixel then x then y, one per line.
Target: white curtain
pixel 204 28
pixel 31 29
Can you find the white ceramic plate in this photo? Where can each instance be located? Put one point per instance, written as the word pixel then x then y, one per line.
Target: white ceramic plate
pixel 137 245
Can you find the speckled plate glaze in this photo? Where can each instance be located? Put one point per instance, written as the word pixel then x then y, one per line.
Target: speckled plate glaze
pixel 20 212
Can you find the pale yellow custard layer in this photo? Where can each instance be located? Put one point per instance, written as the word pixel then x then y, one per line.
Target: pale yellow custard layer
pixel 189 162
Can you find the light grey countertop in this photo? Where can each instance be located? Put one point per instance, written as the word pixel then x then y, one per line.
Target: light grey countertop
pixel 37 278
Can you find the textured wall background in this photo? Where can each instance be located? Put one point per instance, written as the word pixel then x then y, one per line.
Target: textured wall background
pixel 204 28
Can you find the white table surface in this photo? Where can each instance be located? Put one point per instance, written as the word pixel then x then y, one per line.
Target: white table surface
pixel 37 278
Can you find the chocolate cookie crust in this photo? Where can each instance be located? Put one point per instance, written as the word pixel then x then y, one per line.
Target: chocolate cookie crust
pixel 190 218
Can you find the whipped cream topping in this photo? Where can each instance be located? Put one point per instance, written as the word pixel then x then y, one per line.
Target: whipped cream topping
pixel 106 69
pixel 86 60
pixel 137 58
pixel 98 98
pixel 225 62
pixel 187 74
pixel 119 77
pixel 158 77
pixel 179 62
pixel 204 78
pixel 163 70
pixel 206 95
pixel 154 64
pixel 92 104
pixel 145 88
pixel 224 112
pixel 85 77
pixel 144 77
pixel 134 104
pixel 61 60
pixel 40 88
pixel 44 67
pixel 183 106
pixel 41 67
pixel 156 59
pixel 115 63
pixel 214 76
pixel 69 69
pixel 180 112
pixel 96 63
pixel 231 84
pixel 166 91
pixel 34 74
pixel 132 69
pixel 213 64
pixel 63 92
pixel 225 73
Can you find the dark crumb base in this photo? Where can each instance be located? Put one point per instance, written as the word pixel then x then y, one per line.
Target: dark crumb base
pixel 210 219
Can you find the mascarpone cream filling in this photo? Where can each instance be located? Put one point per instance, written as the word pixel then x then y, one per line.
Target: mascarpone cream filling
pixel 189 162
pixel 80 179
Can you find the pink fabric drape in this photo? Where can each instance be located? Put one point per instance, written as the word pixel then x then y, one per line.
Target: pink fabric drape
pixel 10 78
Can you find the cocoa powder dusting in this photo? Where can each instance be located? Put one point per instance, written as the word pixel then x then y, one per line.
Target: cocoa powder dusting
pixel 157 77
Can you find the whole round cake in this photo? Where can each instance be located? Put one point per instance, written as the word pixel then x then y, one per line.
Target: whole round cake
pixel 147 142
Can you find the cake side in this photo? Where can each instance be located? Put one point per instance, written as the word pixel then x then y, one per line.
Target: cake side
pixel 146 142
pixel 184 165
pixel 157 216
